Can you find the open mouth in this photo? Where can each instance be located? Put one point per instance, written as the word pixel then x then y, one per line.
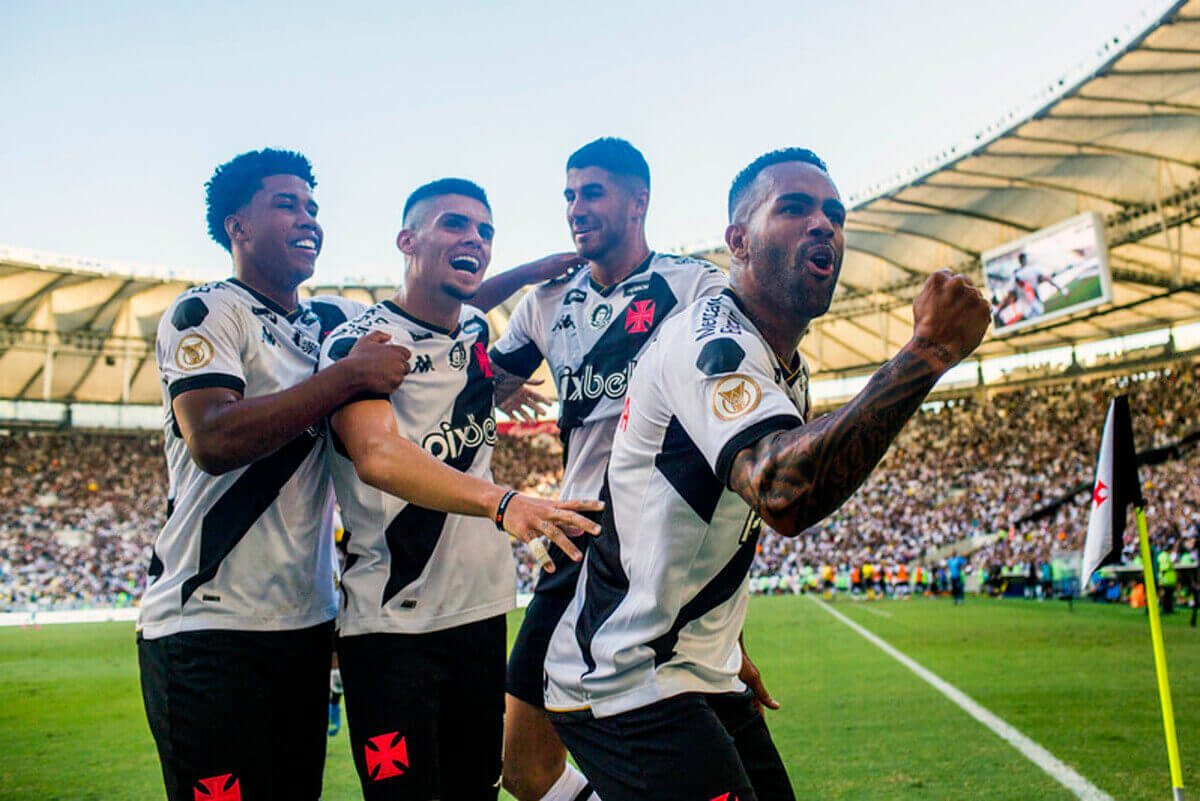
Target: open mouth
pixel 821 260
pixel 307 244
pixel 467 264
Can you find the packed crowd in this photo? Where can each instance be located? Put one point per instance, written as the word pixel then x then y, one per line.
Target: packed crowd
pixel 79 511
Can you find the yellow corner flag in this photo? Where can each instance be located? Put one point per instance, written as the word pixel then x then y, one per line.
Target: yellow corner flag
pixel 1115 488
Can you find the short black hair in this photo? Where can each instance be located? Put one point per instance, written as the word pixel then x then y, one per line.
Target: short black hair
pixel 235 182
pixel 445 186
pixel 612 154
pixel 746 177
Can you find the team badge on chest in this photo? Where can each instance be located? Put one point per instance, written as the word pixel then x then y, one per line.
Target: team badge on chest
pixel 600 316
pixel 458 356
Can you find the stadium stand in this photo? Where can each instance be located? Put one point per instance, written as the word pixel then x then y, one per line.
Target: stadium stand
pixel 81 509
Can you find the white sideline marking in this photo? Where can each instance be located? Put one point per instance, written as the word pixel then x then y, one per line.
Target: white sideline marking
pixel 1058 770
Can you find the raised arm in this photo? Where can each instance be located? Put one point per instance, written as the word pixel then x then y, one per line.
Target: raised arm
pixel 386 460
pixel 224 430
pixel 795 478
pixel 498 288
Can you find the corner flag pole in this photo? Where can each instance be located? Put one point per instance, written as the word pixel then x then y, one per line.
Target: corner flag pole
pixel 1160 656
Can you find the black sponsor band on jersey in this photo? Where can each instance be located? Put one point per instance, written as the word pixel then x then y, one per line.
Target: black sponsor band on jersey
pixel 240 507
pixel 411 537
pixel 747 437
pixel 206 381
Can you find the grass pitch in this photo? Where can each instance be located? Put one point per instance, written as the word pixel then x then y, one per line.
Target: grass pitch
pixel 854 724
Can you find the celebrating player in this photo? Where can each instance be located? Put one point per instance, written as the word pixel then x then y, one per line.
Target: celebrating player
pixel 428 577
pixel 642 669
pixel 236 622
pixel 591 327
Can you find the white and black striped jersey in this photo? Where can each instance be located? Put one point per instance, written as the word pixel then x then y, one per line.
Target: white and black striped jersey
pixel 250 549
pixel 662 596
pixel 410 569
pixel 591 337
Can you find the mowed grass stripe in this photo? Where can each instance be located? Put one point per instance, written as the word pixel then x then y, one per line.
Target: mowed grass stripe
pixel 855 724
pixel 1079 681
pixel 1061 772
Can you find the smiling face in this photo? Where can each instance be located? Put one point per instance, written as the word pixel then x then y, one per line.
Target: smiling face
pixel 788 238
pixel 277 230
pixel 603 210
pixel 448 241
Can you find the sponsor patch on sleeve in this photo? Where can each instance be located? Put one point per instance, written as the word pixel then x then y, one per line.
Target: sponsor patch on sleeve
pixel 194 352
pixel 735 395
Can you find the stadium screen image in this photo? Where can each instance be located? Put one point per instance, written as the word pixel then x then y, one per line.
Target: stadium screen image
pixel 1048 274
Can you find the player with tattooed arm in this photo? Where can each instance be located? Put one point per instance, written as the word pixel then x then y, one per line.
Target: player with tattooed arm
pixel 714 439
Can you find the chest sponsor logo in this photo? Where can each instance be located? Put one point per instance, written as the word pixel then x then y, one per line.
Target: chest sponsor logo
pixel 735 395
pixel 458 356
pixel 449 441
pixel 563 323
pixel 589 384
pixel 194 352
pixel 600 316
pixel 639 317
pixel 422 364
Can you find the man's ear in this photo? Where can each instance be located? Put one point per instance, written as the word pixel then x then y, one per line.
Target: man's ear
pixel 738 242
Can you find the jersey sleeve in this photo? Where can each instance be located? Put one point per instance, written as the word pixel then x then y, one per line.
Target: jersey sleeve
pixel 201 343
pixel 723 393
pixel 519 350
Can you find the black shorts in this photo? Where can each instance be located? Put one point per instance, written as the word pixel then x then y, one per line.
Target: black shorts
pixel 692 747
pixel 238 713
pixel 426 711
pixel 526 662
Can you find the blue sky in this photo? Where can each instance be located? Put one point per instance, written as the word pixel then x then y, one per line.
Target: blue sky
pixel 116 113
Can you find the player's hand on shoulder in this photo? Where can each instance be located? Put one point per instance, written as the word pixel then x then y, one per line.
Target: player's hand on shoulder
pixel 950 317
pixel 554 266
pixel 528 518
pixel 376 364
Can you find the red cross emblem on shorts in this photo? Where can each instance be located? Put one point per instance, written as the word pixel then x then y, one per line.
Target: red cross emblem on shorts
pixel 639 316
pixel 724 797
pixel 386 755
pixel 218 788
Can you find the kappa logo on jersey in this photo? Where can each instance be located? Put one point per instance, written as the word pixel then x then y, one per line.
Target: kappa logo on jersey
pixel 458 356
pixel 194 352
pixel 267 337
pixel 450 441
pixel 589 384
pixel 422 364
pixel 600 316
pixel 218 788
pixel 574 296
pixel 735 395
pixel 305 344
pixel 639 316
pixel 386 756
pixel 563 323
pixel 481 356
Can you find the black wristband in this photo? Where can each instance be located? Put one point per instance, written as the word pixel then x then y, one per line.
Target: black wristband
pixel 503 507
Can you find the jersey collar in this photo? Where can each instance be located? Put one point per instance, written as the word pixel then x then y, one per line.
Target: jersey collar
pixel 290 316
pixel 605 291
pixel 437 329
pixel 794 364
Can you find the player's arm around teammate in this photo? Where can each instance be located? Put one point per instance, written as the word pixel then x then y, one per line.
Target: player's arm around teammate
pixel 389 462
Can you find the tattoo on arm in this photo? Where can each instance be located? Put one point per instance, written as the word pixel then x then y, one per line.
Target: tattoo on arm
pixel 795 478
pixel 506 383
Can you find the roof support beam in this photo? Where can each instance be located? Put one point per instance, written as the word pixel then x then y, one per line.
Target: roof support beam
pixel 856 222
pixel 1039 184
pixel 1083 147
pixel 101 307
pixel 974 215
pixel 21 312
pixel 1151 106
pixel 843 343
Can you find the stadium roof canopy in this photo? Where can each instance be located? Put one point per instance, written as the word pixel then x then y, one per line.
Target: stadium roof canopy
pixel 1120 138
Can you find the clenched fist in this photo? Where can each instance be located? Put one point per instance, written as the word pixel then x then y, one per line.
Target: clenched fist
pixel 950 317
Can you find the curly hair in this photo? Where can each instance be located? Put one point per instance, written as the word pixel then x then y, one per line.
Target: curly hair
pixel 235 182
pixel 746 177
